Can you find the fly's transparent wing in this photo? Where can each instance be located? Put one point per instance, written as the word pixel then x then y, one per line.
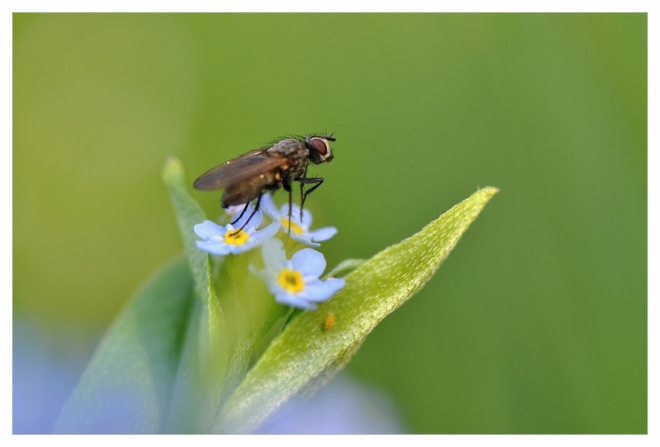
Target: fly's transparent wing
pixel 238 169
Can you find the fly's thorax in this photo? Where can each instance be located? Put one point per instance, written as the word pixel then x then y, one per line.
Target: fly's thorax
pixel 289 148
pixel 297 156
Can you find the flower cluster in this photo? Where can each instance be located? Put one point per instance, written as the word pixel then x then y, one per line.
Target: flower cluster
pixel 295 282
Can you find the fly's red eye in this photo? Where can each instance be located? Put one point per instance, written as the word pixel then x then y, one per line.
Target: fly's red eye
pixel 320 145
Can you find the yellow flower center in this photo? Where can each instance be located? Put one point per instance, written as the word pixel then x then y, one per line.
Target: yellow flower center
pixel 294 227
pixel 291 280
pixel 236 237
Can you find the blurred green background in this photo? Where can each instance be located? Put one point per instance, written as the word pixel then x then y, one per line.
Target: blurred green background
pixel 536 323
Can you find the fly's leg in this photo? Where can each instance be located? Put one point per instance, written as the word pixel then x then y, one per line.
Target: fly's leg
pixel 256 208
pixel 302 194
pixel 315 181
pixel 287 188
pixel 241 215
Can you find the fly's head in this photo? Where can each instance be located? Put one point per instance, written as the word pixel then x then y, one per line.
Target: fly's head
pixel 319 148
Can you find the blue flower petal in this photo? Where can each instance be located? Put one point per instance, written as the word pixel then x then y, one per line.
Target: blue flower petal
pixel 323 234
pixel 268 206
pixel 284 210
pixel 207 229
pixel 293 300
pixel 213 246
pixel 259 236
pixel 273 255
pixel 305 239
pixel 306 219
pixel 310 263
pixel 322 290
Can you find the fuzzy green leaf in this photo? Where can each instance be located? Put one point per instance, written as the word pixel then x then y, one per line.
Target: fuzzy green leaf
pixel 306 355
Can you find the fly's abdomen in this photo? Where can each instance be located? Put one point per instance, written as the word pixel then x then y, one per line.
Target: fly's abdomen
pixel 249 189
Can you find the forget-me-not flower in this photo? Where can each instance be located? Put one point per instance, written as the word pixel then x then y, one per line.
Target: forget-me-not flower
pixel 296 282
pixel 299 229
pixel 223 240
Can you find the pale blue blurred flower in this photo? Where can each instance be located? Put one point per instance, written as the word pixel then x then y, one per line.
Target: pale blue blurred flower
pixel 47 362
pixel 299 228
pixel 343 407
pixel 296 282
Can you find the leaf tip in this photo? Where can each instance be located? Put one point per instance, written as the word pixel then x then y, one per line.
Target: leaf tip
pixel 173 169
pixel 489 190
pixel 483 196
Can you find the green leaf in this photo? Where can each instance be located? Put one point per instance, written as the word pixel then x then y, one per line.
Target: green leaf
pixel 343 267
pixel 188 214
pixel 162 365
pixel 201 375
pixel 127 385
pixel 306 355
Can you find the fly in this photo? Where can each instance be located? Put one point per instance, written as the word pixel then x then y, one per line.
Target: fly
pixel 250 175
